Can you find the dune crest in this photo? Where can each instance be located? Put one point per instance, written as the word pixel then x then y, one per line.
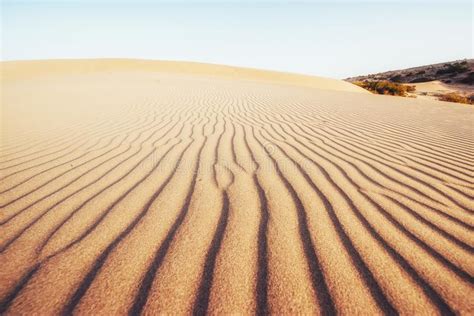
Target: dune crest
pixel 163 187
pixel 28 69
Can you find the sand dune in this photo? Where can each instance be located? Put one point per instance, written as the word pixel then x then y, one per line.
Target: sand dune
pixel 164 187
pixel 33 69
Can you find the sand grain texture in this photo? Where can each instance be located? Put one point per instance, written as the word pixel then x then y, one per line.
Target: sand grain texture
pixel 166 187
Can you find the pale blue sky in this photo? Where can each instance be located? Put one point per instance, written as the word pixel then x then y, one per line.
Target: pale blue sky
pixel 333 39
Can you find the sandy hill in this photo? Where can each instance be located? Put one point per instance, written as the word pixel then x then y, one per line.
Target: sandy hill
pixel 33 69
pixel 459 72
pixel 162 187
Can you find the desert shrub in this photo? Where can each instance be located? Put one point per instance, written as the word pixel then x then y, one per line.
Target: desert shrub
pixel 454 97
pixel 422 79
pixel 459 67
pixel 453 68
pixel 410 88
pixel 469 79
pixel 396 78
pixel 445 71
pixel 386 87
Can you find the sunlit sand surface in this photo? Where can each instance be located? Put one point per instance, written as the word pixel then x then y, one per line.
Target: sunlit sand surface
pixel 165 187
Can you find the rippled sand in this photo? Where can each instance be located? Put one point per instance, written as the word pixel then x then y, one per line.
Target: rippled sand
pixel 164 187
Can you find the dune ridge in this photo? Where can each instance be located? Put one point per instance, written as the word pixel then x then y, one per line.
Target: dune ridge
pixel 30 69
pixel 147 187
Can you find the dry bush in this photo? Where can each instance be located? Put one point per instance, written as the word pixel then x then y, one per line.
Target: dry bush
pixel 410 88
pixel 454 97
pixel 386 87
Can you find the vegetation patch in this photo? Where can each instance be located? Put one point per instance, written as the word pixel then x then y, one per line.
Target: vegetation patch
pixel 469 79
pixel 453 68
pixel 455 97
pixel 422 79
pixel 457 72
pixel 386 87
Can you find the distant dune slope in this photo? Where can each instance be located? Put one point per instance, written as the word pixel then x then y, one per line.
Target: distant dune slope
pixel 148 187
pixel 31 69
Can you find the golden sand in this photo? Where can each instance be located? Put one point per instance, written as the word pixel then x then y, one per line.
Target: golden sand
pixel 165 187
